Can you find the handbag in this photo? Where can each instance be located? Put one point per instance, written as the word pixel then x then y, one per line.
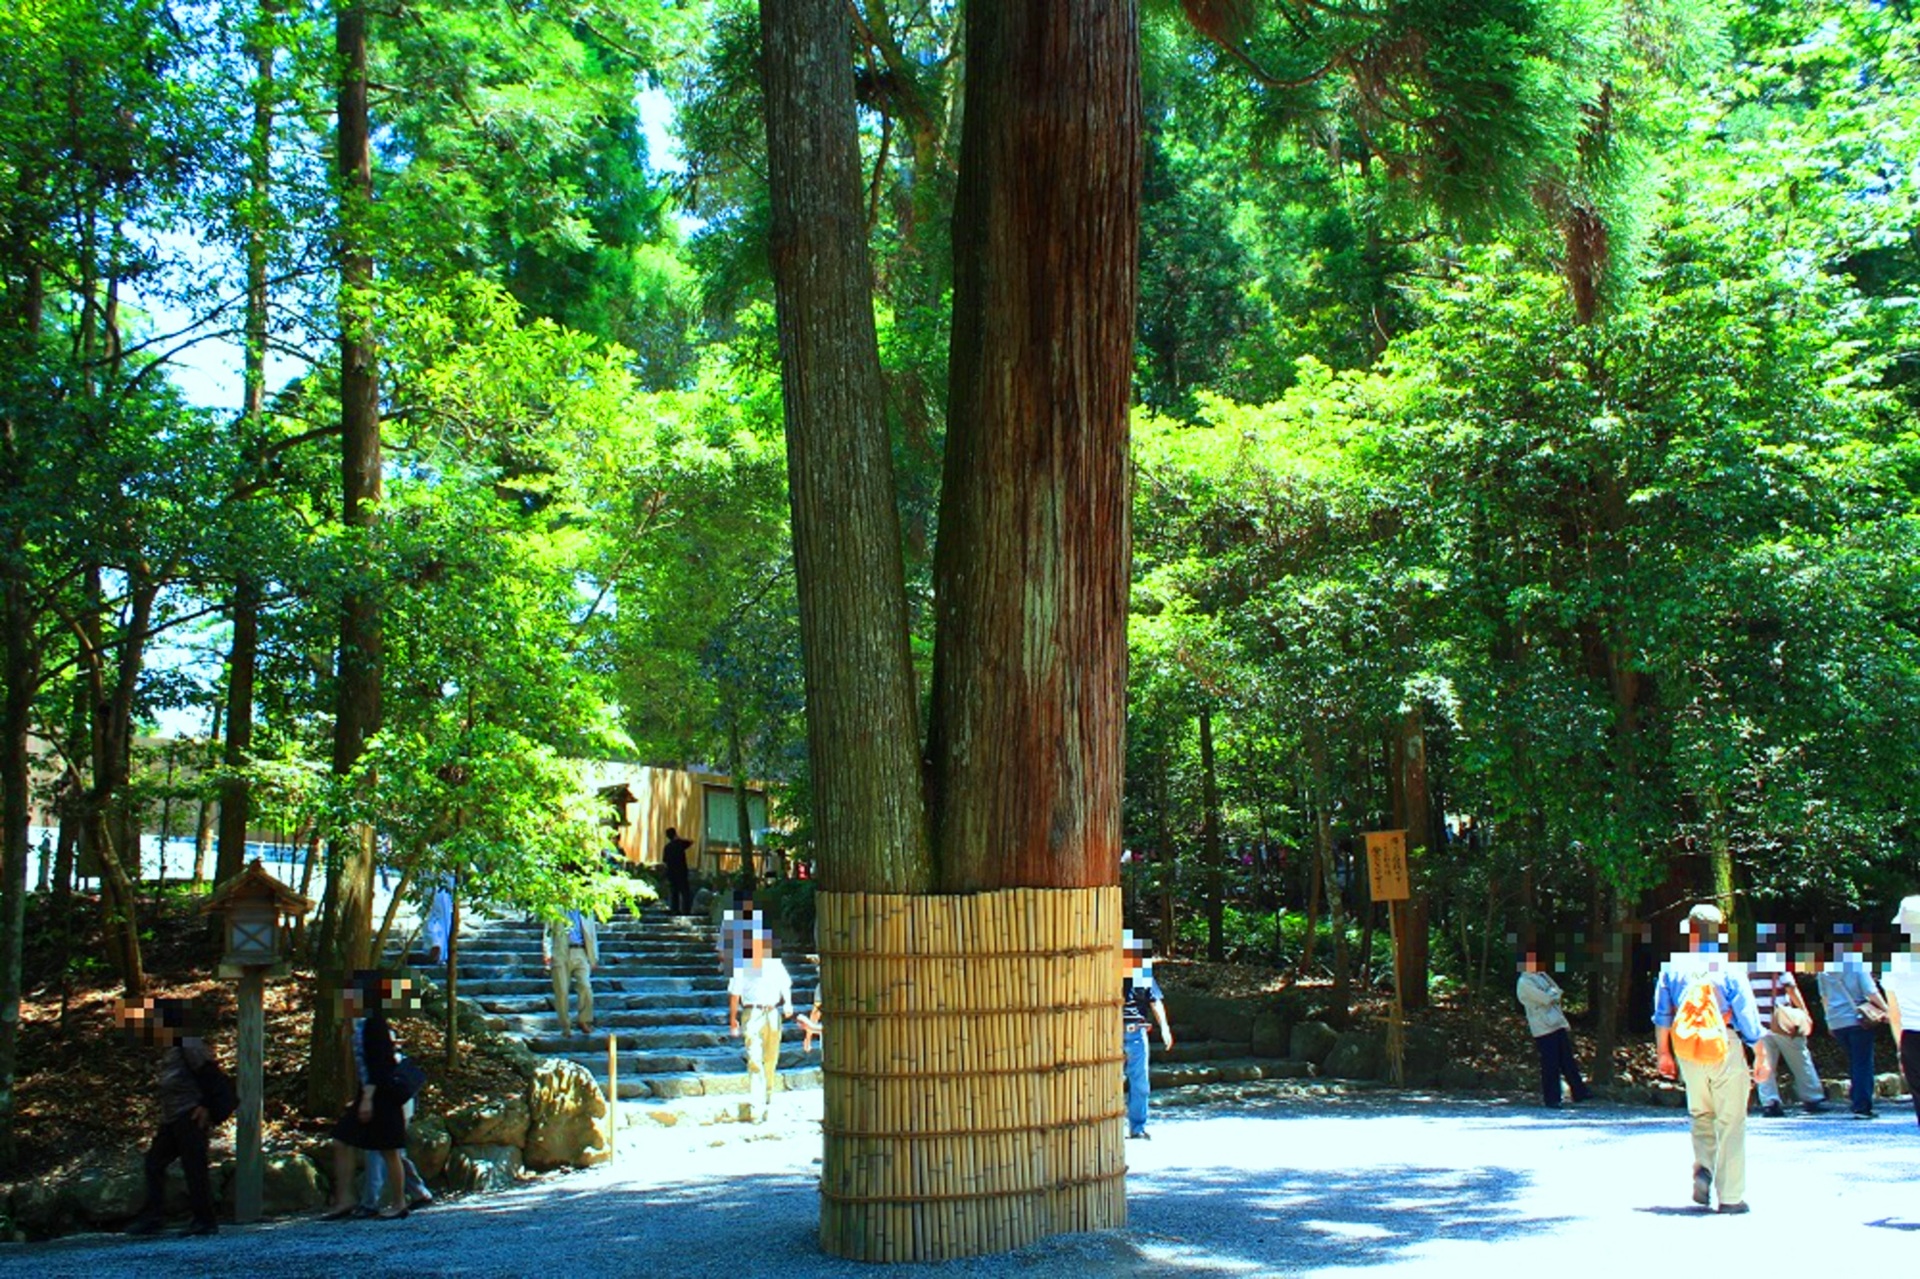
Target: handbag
pixel 409 1077
pixel 1792 1022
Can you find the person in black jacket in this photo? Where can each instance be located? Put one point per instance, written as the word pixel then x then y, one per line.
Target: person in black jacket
pixel 183 1064
pixel 376 1120
pixel 679 886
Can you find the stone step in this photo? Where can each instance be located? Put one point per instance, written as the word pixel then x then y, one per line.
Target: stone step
pixel 547 1041
pixel 698 1084
pixel 541 1005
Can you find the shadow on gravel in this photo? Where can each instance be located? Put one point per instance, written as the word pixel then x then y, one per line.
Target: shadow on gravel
pixel 1193 1220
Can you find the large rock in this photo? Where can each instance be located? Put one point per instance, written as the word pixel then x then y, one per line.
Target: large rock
pixel 1311 1041
pixel 111 1194
pixel 290 1184
pixel 490 1121
pixel 40 1207
pixel 1357 1054
pixel 429 1145
pixel 569 1121
pixel 1270 1037
pixel 475 1169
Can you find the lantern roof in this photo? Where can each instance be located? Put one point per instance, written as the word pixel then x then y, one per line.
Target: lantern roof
pixel 256 884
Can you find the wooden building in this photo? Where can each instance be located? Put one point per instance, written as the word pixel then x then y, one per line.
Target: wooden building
pixel 645 801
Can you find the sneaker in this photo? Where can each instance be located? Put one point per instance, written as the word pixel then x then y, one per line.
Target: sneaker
pixel 1818 1107
pixel 1585 1094
pixel 200 1228
pixel 1773 1110
pixel 1141 1133
pixel 1864 1114
pixel 143 1226
pixel 1734 1210
pixel 1702 1186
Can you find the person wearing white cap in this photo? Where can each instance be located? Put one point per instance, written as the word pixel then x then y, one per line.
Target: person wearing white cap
pixel 1698 997
pixel 1901 982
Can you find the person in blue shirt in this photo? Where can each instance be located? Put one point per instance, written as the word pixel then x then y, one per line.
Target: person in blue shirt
pixel 1716 1090
pixel 1141 1005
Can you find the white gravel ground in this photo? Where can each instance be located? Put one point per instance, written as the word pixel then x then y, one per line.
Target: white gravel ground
pixel 1281 1185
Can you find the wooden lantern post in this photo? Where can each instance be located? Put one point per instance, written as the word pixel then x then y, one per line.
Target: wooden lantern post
pixel 257 910
pixel 1388 881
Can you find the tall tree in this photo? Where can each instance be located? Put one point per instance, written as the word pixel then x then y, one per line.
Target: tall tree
pixel 347 928
pixel 862 710
pixel 1030 573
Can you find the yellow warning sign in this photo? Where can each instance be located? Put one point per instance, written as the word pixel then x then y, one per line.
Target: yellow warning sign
pixel 1387 865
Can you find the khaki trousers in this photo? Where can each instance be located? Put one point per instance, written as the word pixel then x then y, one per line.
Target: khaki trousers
pixel 1792 1052
pixel 572 969
pixel 1717 1102
pixel 761 1031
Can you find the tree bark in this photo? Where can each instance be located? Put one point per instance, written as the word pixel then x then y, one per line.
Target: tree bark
pixel 1030 574
pixel 16 719
pixel 1210 843
pixel 347 923
pixel 862 708
pixel 235 800
pixel 1415 816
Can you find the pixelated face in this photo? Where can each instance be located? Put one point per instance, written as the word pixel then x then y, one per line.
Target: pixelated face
pixel 142 1021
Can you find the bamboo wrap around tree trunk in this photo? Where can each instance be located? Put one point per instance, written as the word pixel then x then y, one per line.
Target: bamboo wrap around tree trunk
pixel 972 1061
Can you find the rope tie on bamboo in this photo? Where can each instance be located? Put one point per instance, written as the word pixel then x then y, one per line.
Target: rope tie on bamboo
pixel 1077 1183
pixel 997 1010
pixel 1089 1122
pixel 1104 948
pixel 1056 1068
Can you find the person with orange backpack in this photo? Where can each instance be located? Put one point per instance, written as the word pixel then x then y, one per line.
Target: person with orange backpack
pixel 1700 998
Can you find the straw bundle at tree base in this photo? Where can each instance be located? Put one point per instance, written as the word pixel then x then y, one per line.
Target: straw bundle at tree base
pixel 973 1071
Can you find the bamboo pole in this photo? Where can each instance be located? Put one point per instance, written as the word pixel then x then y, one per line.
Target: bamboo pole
pixel 613 1090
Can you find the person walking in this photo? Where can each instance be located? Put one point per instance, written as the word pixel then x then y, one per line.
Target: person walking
pixel 1855 1010
pixel 1788 1027
pixel 1141 1007
pixel 1540 996
pixel 1698 997
pixel 762 988
pixel 1901 982
pixel 374 1185
pixel 571 949
pixel 376 1121
pixel 193 1093
pixel 679 881
pixel 734 942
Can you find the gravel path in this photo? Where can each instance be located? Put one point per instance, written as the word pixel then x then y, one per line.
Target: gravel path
pixel 1288 1184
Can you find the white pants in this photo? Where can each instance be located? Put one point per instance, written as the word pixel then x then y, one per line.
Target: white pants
pixel 1792 1052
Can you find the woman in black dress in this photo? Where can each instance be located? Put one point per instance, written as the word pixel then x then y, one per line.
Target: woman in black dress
pixel 376 1121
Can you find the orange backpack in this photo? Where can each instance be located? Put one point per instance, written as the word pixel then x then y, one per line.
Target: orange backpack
pixel 1699 1027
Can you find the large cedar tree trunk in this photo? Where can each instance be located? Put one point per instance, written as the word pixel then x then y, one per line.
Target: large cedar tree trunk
pixel 1210 843
pixel 1030 574
pixel 1414 814
pixel 862 709
pixel 347 929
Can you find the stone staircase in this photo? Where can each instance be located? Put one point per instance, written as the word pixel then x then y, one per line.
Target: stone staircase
pixel 657 990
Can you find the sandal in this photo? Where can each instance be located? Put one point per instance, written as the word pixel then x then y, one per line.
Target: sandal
pixel 339 1214
pixel 391 1214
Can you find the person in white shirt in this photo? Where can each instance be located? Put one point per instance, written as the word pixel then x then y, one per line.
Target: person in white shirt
pixel 762 988
pixel 1901 984
pixel 1539 995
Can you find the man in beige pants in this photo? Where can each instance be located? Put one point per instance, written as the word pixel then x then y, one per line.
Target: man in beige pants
pixel 1716 1089
pixel 572 946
